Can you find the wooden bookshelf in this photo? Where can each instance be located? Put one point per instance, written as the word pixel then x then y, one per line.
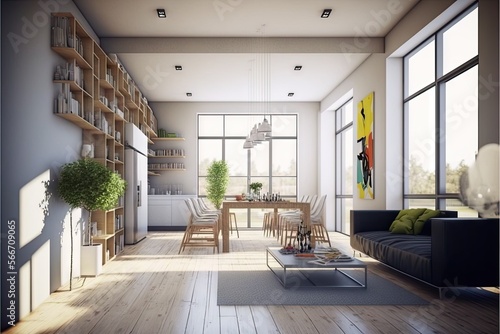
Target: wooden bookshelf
pixel 98 95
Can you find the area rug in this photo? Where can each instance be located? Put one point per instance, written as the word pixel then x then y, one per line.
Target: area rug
pixel 263 288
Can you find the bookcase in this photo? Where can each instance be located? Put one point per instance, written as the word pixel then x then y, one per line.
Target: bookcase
pixel 97 94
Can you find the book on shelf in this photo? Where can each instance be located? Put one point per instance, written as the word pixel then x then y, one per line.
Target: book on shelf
pixel 66 103
pixel 60 30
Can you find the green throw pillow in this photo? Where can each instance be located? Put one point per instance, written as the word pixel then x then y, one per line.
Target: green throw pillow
pixel 419 224
pixel 405 220
pixel 404 225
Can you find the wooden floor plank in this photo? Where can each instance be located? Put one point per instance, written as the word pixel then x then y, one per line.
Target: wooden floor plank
pixel 333 313
pixel 263 320
pixel 321 321
pixel 292 319
pixel 149 288
pixel 245 320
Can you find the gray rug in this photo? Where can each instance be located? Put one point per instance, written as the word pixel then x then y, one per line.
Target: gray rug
pixel 263 288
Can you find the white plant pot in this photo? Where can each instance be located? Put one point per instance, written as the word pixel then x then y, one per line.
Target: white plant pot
pixel 91 260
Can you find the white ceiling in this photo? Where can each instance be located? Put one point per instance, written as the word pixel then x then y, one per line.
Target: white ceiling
pixel 227 62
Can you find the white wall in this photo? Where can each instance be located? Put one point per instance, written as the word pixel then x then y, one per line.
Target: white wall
pixel 35 143
pixel 182 118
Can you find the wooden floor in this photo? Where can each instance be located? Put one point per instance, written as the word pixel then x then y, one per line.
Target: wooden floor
pixel 150 289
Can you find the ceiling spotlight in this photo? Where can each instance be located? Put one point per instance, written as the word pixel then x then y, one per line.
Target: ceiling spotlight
pixel 290 94
pixel 161 13
pixel 326 13
pixel 189 94
pixel 298 68
pixel 178 67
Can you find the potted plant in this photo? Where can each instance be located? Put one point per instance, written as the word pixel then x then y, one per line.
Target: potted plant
pixel 256 187
pixel 89 185
pixel 217 182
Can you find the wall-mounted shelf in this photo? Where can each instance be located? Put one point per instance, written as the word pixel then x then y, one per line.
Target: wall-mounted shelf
pixel 168 138
pixel 167 156
pixel 169 169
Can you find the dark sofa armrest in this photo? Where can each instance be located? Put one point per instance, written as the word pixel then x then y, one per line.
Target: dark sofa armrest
pixel 371 220
pixel 465 252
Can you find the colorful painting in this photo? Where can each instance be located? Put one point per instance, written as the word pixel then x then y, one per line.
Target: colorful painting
pixel 365 139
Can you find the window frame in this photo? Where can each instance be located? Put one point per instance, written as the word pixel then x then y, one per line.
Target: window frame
pixel 441 196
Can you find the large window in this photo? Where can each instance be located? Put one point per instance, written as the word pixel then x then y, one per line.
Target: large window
pixel 344 166
pixel 441 114
pixel 272 162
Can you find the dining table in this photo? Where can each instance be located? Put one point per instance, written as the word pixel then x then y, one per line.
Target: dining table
pixel 304 207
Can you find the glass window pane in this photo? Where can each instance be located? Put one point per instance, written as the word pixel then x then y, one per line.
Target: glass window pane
pixel 237 186
pixel 285 186
pixel 236 157
pixel 208 151
pixel 421 130
pixel 460 42
pixel 284 157
pixel 210 125
pixel 260 159
pixel 420 69
pixel 461 118
pixel 429 203
pixel 284 125
pixel 240 125
pixel 343 213
pixel 346 159
pixel 344 115
pixel 463 211
pixel 202 186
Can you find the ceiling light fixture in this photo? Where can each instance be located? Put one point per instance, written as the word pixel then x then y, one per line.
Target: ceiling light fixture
pixel 178 67
pixel 161 13
pixel 291 94
pixel 265 127
pixel 189 94
pixel 298 68
pixel 260 95
pixel 326 13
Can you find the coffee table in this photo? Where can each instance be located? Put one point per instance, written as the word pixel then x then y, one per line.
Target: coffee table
pixel 290 262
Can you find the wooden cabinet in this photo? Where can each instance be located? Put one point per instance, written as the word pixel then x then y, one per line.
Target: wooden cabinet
pixel 97 94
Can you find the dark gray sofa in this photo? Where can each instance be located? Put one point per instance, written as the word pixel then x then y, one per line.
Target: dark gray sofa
pixel 450 251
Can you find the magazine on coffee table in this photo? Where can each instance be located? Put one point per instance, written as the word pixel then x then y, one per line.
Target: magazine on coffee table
pixel 325 261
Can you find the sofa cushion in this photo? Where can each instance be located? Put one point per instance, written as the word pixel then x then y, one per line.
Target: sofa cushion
pixel 420 223
pixel 408 253
pixel 405 220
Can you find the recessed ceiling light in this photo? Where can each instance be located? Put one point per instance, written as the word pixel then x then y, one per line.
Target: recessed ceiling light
pixel 298 68
pixel 161 13
pixel 189 94
pixel 326 13
pixel 178 67
pixel 290 94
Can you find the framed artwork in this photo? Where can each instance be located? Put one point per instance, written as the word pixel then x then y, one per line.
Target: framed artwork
pixel 365 157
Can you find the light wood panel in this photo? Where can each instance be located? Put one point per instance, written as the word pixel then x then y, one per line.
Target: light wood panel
pixel 148 288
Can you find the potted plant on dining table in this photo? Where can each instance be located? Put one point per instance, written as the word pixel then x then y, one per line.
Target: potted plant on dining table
pixel 255 188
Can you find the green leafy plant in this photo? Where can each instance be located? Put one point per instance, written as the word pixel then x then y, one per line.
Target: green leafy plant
pixel 88 184
pixel 256 187
pixel 217 182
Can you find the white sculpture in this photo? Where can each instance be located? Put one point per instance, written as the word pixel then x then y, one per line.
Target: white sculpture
pixel 480 185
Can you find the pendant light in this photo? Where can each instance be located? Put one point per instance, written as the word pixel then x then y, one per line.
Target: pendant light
pixel 265 128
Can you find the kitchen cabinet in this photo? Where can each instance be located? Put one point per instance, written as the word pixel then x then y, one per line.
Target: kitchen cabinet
pixel 168 212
